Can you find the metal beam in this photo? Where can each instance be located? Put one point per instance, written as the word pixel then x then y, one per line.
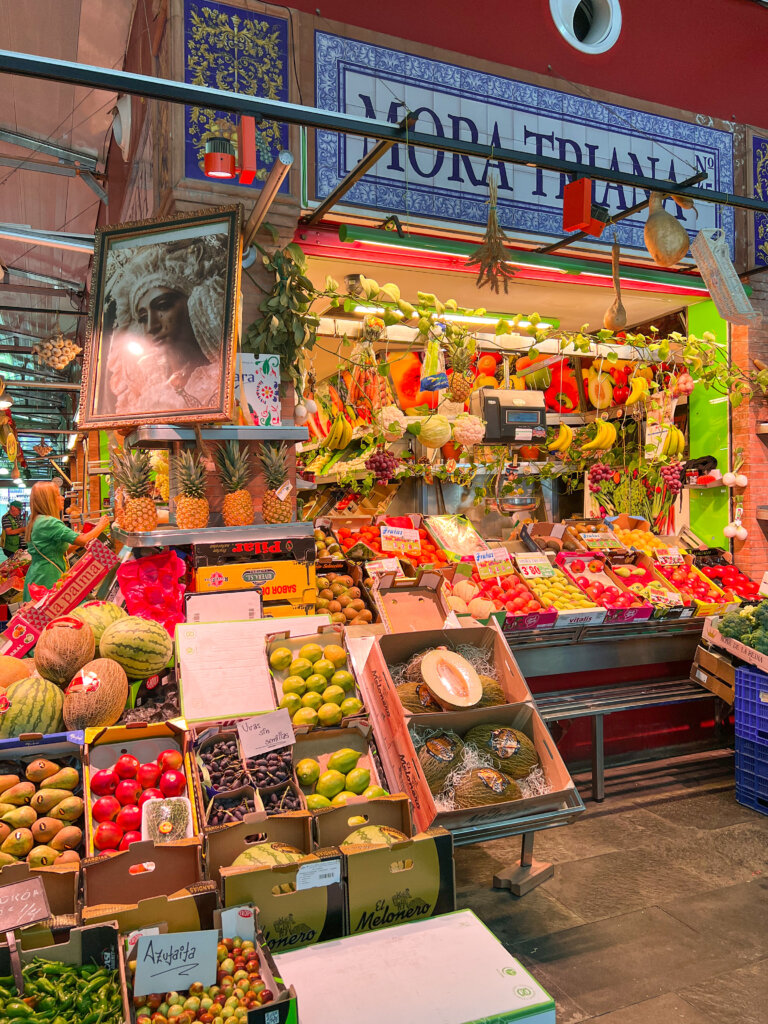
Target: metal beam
pixel 41 309
pixel 33 290
pixel 56 282
pixel 17 385
pixel 50 239
pixel 70 156
pixel 261 107
pixel 362 167
pixel 629 212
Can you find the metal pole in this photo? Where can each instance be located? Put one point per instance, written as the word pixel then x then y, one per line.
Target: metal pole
pixel 21 386
pixel 291 113
pixel 280 168
pixel 38 309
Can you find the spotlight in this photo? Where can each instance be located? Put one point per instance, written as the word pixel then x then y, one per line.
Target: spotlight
pixel 219 158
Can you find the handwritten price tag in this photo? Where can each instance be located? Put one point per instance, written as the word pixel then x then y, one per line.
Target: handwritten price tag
pixel 265 732
pixel 166 963
pixel 382 565
pixel 601 541
pixel 534 565
pixel 493 562
pixel 23 903
pixel 668 556
pixel 397 538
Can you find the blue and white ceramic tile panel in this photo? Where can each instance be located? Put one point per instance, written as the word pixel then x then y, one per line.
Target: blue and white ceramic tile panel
pixel 232 48
pixel 377 82
pixel 760 180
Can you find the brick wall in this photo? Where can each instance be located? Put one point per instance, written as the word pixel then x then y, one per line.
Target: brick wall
pixel 748 344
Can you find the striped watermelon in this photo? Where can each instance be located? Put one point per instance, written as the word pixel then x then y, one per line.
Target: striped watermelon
pixel 98 615
pixel 141 646
pixel 267 853
pixel 31 705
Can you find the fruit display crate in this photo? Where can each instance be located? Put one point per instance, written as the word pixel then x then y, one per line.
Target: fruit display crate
pixel 171 536
pixel 751 705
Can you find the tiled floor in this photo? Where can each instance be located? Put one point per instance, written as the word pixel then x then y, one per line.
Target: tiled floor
pixel 658 910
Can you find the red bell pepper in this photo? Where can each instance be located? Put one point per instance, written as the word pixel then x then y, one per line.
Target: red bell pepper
pixel 562 395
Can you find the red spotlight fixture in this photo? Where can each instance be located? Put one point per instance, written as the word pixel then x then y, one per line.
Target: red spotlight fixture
pixel 579 212
pixel 221 161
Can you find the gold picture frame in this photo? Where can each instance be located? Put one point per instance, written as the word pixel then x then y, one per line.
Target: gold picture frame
pixel 162 322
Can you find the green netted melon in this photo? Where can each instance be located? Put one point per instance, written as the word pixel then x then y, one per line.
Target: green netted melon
pixel 511 751
pixel 416 698
pixel 374 835
pixel 493 695
pixel 267 853
pixel 99 615
pixel 439 756
pixel 485 786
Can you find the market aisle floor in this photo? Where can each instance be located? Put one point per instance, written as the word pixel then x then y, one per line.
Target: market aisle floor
pixel 658 910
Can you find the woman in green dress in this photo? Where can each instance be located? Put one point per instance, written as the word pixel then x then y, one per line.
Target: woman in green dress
pixel 48 539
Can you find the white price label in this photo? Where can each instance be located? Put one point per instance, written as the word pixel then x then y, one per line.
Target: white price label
pixel 238 921
pixel 265 732
pixel 167 962
pixel 318 874
pixel 523 434
pixel 397 538
pixel 534 565
pixel 382 565
pixel 494 562
pixel 601 540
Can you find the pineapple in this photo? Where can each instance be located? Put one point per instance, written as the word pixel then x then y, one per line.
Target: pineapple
pixel 191 504
pixel 273 509
pixel 234 473
pixel 460 386
pixel 132 473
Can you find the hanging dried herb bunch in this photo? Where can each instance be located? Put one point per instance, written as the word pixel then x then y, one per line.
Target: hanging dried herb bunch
pixel 491 258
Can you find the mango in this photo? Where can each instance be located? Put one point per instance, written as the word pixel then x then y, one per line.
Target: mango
pixel 18 843
pixel 329 784
pixel 45 800
pixel 19 794
pixel 6 781
pixel 7 858
pixel 68 857
pixel 44 829
pixel 344 760
pixel 20 817
pixel 41 856
pixel 5 830
pixel 69 809
pixel 67 838
pixel 66 778
pixel 40 769
pixel 358 780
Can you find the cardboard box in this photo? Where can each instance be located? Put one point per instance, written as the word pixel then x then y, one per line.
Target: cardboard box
pixel 145 871
pixel 419 972
pixel 712 635
pixel 98 944
pixel 281 583
pixel 276 549
pixel 300 903
pixel 321 743
pixel 146 742
pixel 640 609
pixel 675 611
pixel 705 608
pixel 344 567
pixel 62 886
pixel 380 692
pixel 551 537
pixel 410 880
pixel 716 672
pixel 409 604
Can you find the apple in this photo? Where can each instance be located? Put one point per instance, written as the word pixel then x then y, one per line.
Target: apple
pixel 127 792
pixel 172 783
pixel 611 593
pixel 127 765
pixel 128 838
pixel 576 565
pixel 583 582
pixel 595 566
pixel 148 775
pixel 104 782
pixel 129 818
pixel 150 794
pixel 170 759
pixel 106 808
pixel 107 836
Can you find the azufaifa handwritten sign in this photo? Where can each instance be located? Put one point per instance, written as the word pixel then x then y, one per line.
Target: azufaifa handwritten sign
pixel 265 732
pixel 166 963
pixel 23 903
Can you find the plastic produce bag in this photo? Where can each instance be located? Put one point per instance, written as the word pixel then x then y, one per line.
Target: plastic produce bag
pixel 153 589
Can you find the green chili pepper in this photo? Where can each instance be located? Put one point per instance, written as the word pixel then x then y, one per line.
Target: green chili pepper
pixel 54 968
pixel 16 1008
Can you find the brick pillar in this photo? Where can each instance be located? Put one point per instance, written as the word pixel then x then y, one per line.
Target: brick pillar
pixel 747 344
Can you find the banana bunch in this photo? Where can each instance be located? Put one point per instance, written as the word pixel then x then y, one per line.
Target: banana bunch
pixel 604 439
pixel 674 442
pixel 563 441
pixel 638 390
pixel 340 433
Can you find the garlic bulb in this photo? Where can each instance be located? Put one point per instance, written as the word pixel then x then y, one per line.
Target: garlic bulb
pixel 300 414
pixel 729 479
pixel 310 405
pixel 729 530
pixel 741 480
pixel 741 533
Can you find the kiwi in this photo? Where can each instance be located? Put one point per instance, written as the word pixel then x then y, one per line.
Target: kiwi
pixel 438 756
pixel 493 694
pixel 511 751
pixel 485 786
pixel 416 698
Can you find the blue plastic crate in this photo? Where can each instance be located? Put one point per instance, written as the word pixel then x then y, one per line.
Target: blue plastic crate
pixel 751 758
pixel 749 798
pixel 751 705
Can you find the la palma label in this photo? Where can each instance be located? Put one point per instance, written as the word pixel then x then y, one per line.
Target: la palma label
pixel 170 962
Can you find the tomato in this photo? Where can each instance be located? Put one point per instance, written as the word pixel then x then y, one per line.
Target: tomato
pixel 486 365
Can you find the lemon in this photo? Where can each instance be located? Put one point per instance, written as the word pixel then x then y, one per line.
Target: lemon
pixel 305 716
pixel 312 700
pixel 280 659
pixel 294 684
pixel 300 667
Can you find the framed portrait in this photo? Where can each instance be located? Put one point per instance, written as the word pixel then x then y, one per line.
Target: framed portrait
pixel 162 324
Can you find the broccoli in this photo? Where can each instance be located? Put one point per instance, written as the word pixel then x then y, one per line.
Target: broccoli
pixel 761 615
pixel 736 626
pixel 757 640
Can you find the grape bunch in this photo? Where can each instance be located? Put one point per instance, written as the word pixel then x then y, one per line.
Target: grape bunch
pixel 382 464
pixel 597 473
pixel 672 475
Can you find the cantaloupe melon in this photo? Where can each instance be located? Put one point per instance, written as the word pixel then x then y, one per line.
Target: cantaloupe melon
pixel 457 605
pixel 64 646
pixel 481 608
pixel 267 853
pixel 466 590
pixel 96 696
pixel 13 669
pixel 451 680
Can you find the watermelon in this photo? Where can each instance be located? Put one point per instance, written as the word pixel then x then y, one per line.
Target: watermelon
pixel 267 854
pixel 31 705
pixel 141 646
pixel 374 835
pixel 98 615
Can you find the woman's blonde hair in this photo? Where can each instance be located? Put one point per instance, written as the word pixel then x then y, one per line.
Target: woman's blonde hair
pixel 43 501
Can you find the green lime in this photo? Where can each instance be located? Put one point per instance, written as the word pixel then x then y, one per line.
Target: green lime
pixel 341 798
pixel 292 702
pixel 358 780
pixel 316 682
pixel 312 700
pixel 300 667
pixel 294 684
pixel 329 714
pixel 333 695
pixel 280 659
pixel 305 716
pixel 351 706
pixel 343 679
pixel 312 652
pixel 307 771
pixel 324 667
pixel 315 802
pixel 329 784
pixel 374 791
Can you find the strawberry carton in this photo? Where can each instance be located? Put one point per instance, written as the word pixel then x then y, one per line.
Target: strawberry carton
pixel 593 575
pixel 639 574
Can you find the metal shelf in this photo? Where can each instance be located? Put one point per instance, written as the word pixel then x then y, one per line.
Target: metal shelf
pixel 157 434
pixel 170 536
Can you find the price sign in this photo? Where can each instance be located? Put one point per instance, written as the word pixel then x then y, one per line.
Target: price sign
pixel 668 556
pixel 601 541
pixel 534 565
pixel 493 562
pixel 382 565
pixel 318 874
pixel 763 590
pixel 23 903
pixel 397 538
pixel 265 732
pixel 165 963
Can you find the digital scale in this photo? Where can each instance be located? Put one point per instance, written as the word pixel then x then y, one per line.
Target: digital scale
pixel 511 417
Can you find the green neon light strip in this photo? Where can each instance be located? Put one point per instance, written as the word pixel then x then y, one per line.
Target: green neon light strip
pixel 570 266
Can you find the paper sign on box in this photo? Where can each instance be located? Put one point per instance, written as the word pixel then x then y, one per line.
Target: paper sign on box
pixel 494 562
pixel 397 538
pixel 173 962
pixel 534 565
pixel 265 732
